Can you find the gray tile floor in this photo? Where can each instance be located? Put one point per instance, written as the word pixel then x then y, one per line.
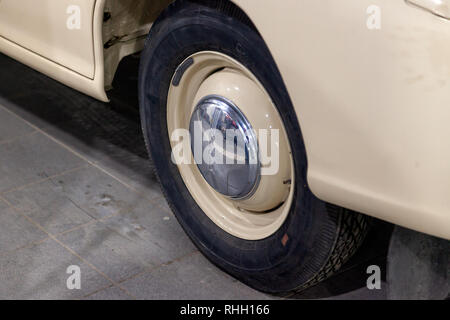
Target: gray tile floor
pixel 76 188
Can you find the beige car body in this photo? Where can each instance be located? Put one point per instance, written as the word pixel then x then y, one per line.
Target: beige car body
pixel 373 104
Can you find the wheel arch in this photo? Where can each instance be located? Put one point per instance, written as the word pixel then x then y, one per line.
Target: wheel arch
pixel 127 22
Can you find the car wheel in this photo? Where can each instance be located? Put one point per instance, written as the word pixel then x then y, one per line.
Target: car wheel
pixel 205 58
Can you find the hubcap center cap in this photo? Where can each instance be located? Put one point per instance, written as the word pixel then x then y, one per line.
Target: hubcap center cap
pixel 225 147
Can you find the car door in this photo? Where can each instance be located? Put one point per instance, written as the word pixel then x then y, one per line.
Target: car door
pixel 58 30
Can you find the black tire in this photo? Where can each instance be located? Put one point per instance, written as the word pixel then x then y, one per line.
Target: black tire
pixel 316 238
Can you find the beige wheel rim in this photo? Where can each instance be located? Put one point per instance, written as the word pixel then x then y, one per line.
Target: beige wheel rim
pixel 212 73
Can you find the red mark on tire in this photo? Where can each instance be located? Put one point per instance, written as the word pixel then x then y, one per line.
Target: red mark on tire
pixel 285 239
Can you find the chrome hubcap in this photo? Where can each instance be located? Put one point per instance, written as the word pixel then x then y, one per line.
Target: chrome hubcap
pixel 225 147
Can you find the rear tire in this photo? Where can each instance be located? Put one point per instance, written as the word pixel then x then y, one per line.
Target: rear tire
pixel 316 238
